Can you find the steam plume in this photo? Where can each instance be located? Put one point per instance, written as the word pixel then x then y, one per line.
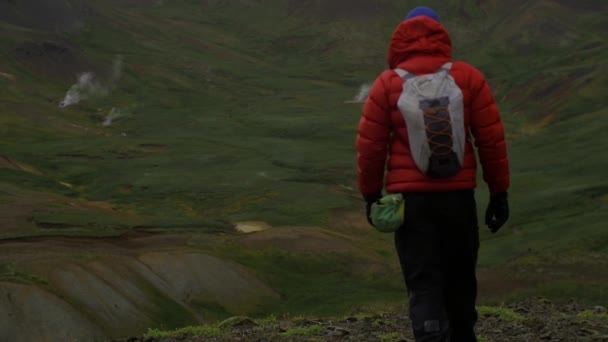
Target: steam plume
pixel 112 115
pixel 363 92
pixel 88 85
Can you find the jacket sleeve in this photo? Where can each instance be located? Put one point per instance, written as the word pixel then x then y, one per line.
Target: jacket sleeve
pixel 373 139
pixel 488 131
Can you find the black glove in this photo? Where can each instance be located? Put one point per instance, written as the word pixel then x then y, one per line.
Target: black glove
pixel 369 200
pixel 497 213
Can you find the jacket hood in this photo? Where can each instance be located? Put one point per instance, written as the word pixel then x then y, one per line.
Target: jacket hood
pixel 420 36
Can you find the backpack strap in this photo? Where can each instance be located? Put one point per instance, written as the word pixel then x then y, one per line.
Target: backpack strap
pixel 405 75
pixel 447 67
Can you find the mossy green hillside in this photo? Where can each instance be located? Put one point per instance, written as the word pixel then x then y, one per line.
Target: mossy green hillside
pixel 224 119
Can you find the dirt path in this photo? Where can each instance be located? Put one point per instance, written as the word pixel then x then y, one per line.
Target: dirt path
pixel 533 321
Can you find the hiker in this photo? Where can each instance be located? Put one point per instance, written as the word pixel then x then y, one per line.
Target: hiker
pixel 421 119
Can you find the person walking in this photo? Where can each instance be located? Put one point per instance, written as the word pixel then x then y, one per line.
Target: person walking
pixel 422 122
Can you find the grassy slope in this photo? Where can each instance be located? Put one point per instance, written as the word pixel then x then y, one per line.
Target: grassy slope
pixel 557 116
pixel 229 119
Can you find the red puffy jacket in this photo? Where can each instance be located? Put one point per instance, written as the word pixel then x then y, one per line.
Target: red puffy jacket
pixel 421 46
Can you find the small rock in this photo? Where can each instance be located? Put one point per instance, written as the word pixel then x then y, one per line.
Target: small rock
pixel 586 332
pixel 546 336
pixel 599 310
pixel 308 322
pixel 8 76
pixel 337 331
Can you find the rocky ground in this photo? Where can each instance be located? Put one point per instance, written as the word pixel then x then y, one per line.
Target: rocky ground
pixel 539 320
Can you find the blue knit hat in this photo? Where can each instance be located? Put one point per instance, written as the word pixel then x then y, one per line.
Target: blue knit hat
pixel 422 11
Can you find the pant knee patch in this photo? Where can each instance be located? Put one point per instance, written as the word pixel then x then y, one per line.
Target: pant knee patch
pixel 432 326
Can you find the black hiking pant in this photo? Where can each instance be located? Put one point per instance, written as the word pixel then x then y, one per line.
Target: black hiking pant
pixel 437 248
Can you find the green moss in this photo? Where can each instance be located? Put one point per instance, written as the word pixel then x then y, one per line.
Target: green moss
pixel 267 324
pixel 193 331
pixel 313 330
pixel 590 314
pixel 383 322
pixel 389 337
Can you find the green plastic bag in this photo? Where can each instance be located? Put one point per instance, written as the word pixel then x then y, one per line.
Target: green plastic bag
pixel 387 213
